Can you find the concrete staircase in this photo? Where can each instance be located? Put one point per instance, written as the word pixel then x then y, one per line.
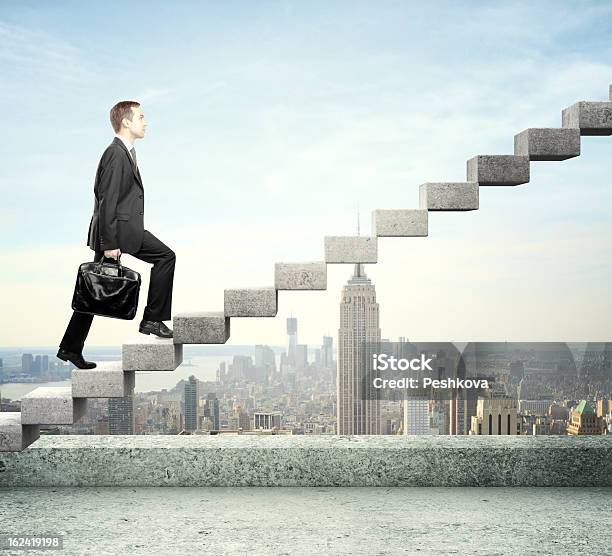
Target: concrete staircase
pixel 65 405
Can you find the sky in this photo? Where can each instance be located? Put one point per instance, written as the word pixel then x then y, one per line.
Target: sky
pixel 274 124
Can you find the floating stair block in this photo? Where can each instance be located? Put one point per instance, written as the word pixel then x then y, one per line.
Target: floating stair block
pixel 351 249
pixel 152 354
pixel 449 196
pixel 107 380
pixel 399 223
pixel 52 405
pixel 498 169
pixel 300 276
pixel 548 143
pixel 251 302
pixel 591 118
pixel 14 436
pixel 201 328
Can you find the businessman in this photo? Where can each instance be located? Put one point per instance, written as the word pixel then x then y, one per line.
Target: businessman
pixel 117 227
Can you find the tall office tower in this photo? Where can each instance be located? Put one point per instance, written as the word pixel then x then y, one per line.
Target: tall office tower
pixel 264 357
pixel 327 352
pixel 121 415
pixel 358 405
pixel 27 360
pixel 496 415
pixel 416 415
pixel 462 409
pixel 301 356
pixel 291 340
pixel 37 365
pixel 191 404
pixel 45 363
pixel 239 367
pixel 211 409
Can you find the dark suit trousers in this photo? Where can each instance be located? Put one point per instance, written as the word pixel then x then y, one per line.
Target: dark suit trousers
pixel 159 300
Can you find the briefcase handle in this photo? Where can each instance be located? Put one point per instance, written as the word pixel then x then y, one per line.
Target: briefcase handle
pixel 119 267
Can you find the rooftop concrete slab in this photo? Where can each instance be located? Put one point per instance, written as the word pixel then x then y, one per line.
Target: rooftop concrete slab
pixel 222 460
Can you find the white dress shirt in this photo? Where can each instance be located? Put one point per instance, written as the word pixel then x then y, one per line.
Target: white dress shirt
pixel 127 144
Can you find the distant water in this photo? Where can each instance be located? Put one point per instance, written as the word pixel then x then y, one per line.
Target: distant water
pixel 15 391
pixel 204 368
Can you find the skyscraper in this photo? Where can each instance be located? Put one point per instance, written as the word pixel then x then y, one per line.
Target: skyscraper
pixel 301 356
pixel 37 365
pixel 191 404
pixel 121 415
pixel 327 352
pixel 416 415
pixel 27 360
pixel 358 409
pixel 291 340
pixel 211 409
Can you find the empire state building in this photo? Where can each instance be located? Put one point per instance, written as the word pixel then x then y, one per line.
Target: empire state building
pixel 359 331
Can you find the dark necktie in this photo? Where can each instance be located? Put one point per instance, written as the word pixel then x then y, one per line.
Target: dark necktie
pixel 133 153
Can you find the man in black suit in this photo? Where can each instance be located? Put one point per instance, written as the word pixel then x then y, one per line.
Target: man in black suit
pixel 117 226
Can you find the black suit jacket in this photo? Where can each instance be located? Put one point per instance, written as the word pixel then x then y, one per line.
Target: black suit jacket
pixel 118 217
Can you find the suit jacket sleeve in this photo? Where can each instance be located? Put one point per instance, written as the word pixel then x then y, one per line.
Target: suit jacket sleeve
pixel 108 195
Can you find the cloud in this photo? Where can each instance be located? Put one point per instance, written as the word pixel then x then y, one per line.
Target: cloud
pixel 41 55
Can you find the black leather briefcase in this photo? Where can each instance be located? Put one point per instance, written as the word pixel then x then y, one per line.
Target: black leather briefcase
pixel 106 289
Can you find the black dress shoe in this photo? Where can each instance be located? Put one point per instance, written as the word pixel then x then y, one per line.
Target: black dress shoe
pixel 155 327
pixel 75 358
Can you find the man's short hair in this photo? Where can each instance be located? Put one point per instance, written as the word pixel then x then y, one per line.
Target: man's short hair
pixel 122 110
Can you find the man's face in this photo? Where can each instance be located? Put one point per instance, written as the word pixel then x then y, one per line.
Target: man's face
pixel 138 124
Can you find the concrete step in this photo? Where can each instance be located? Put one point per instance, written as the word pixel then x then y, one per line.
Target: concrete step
pixel 150 353
pixel 449 196
pixel 107 380
pixel 52 405
pixel 201 328
pixel 14 436
pixel 548 143
pixel 498 169
pixel 399 222
pixel 351 249
pixel 251 302
pixel 591 118
pixel 300 276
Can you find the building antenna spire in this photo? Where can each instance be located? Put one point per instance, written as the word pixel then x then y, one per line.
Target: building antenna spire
pixel 358 230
